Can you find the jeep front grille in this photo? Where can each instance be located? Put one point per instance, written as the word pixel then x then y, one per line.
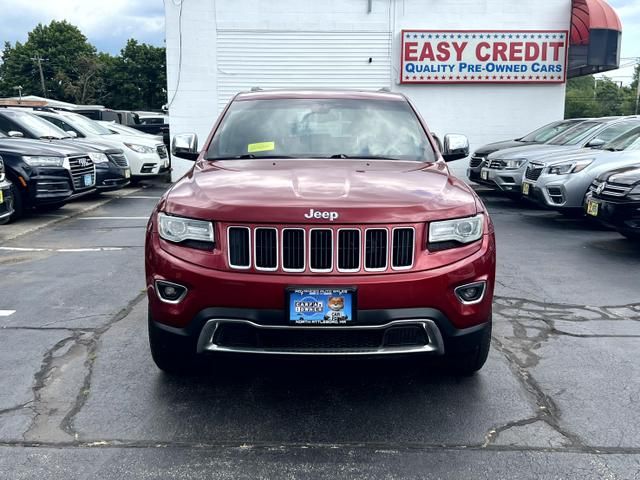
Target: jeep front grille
pixel 83 172
pixel 320 249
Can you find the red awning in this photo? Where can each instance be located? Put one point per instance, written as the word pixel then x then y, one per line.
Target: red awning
pixel 587 15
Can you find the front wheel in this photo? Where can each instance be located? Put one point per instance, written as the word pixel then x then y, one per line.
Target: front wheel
pixel 469 362
pixel 173 354
pixel 18 203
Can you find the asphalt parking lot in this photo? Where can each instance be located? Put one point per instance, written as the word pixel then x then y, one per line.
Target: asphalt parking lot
pixel 81 398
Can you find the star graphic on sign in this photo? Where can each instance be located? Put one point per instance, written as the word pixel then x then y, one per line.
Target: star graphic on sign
pixel 473 36
pixel 408 35
pixel 495 36
pixel 459 36
pixel 429 36
pixel 458 77
pixel 421 77
pixel 437 36
pixel 422 36
pixel 480 36
pixel 510 36
pixel 504 36
pixel 428 77
pixel 518 36
pixel 415 36
pixel 539 36
pixel 466 36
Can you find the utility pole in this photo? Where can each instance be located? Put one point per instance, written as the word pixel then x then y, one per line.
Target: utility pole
pixel 39 59
pixel 19 88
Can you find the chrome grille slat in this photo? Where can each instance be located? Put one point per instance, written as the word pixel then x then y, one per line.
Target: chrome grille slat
pixel 321 249
pixel 293 254
pixel 403 242
pixel 119 159
pixel 610 190
pixel 265 246
pixel 533 171
pixel 79 167
pixel 476 161
pixel 376 240
pixel 349 246
pixel 496 164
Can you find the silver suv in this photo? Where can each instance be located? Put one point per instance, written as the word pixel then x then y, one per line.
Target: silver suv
pixel 505 169
pixel 562 183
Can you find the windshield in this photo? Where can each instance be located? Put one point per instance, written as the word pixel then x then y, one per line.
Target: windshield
pixel 574 135
pixel 38 127
pixel 321 128
pixel 628 141
pixel 86 125
pixel 549 131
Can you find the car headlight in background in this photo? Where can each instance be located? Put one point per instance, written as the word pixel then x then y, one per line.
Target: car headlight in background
pixel 98 157
pixel 140 148
pixel 635 192
pixel 570 167
pixel 514 163
pixel 179 229
pixel 41 161
pixel 459 230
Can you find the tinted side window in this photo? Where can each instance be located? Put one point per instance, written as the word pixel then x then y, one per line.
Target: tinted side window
pixel 7 125
pixel 62 124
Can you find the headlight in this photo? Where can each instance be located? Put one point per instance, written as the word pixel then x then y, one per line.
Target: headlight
pixel 98 157
pixel 514 163
pixel 572 167
pixel 140 148
pixel 461 230
pixel 635 191
pixel 178 229
pixel 38 161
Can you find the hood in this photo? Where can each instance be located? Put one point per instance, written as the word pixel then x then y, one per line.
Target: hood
pixel 494 147
pixel 94 146
pixel 572 156
pixel 531 152
pixel 146 141
pixel 25 146
pixel 627 175
pixel 283 191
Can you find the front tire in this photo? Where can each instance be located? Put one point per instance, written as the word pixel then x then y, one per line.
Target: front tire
pixel 467 363
pixel 173 354
pixel 18 203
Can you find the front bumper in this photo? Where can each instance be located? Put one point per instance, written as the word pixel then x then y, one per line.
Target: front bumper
pixel 559 191
pixel 147 164
pixel 421 299
pixel 624 216
pixel 112 177
pixel 509 181
pixel 6 201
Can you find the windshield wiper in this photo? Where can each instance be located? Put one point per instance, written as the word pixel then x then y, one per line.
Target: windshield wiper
pixel 49 137
pixel 245 156
pixel 362 157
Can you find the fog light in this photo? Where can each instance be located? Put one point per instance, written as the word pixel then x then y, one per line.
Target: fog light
pixel 170 292
pixel 471 293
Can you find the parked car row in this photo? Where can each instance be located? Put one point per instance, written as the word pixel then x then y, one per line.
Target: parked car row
pixel 577 167
pixel 50 157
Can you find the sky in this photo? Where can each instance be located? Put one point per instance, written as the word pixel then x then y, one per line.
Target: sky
pixel 109 23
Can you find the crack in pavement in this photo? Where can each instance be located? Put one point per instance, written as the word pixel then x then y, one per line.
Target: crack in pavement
pixel 63 382
pixel 532 323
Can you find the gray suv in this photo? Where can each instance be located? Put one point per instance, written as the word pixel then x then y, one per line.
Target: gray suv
pixel 562 182
pixel 505 169
pixel 541 135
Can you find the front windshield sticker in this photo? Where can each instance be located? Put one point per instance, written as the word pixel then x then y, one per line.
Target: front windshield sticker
pixel 261 147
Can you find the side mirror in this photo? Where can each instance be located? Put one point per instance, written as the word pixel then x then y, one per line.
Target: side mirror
pixel 185 145
pixel 71 133
pixel 596 143
pixel 15 134
pixel 455 147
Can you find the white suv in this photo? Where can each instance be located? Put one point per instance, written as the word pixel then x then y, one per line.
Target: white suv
pixel 147 156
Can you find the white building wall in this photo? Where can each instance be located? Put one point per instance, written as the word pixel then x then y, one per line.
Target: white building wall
pixel 484 113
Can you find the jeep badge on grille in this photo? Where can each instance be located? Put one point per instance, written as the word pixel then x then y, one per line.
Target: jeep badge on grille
pixel 318 214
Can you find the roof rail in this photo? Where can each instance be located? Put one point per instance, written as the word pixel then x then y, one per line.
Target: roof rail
pixel 256 89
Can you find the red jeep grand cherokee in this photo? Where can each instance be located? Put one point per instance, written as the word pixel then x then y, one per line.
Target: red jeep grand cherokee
pixel 320 223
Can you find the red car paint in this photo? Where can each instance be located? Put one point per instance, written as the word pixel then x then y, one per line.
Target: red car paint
pixel 259 192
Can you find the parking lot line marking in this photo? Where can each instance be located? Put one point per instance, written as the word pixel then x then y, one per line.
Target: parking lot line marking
pixel 113 218
pixel 6 313
pixel 62 250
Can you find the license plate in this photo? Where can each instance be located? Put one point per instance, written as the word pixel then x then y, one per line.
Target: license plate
pixel 525 188
pixel 88 180
pixel 592 208
pixel 484 175
pixel 127 173
pixel 321 306
pixel 1 196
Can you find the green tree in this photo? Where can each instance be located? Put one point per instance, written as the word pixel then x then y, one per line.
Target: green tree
pixel 68 62
pixel 136 79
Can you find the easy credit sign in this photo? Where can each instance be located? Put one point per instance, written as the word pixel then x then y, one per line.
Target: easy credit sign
pixel 483 56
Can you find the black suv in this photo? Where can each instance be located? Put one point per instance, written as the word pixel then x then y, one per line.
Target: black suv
pixel 6 197
pixel 112 167
pixel 45 175
pixel 614 199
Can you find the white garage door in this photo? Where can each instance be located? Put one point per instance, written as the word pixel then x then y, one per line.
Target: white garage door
pixel 252 58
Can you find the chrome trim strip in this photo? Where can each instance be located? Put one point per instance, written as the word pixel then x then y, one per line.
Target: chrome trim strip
pixel 435 345
pixel 474 302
